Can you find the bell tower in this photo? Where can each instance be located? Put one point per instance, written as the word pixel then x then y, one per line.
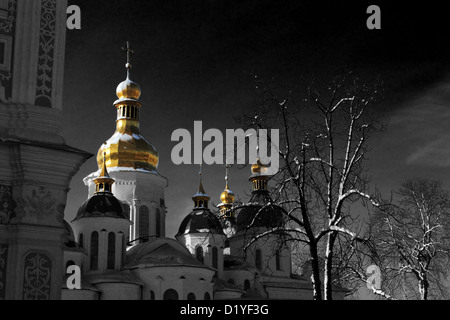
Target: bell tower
pixel 36 165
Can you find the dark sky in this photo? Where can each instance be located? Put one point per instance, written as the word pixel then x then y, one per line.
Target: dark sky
pixel 195 60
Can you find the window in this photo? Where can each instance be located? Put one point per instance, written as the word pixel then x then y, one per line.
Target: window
pixel 215 257
pixel 111 250
pixel 231 281
pixel 170 294
pixel 80 240
pixel 191 296
pixel 278 260
pixel 258 259
pixel 246 284
pixel 144 220
pixel 158 222
pixel 207 296
pixel 152 295
pixel 94 250
pixel 199 253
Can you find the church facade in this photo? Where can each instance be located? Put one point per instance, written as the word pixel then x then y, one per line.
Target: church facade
pixel 117 237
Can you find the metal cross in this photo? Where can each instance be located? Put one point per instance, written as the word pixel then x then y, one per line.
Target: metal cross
pixel 129 51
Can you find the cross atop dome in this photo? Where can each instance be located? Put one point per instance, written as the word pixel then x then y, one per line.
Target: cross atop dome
pixel 129 52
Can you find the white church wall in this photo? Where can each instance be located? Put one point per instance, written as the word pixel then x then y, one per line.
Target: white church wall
pixel 119 291
pixel 182 279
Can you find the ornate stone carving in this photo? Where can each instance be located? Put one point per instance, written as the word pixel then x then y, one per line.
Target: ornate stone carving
pixel 7 204
pixel 46 54
pixel 7 25
pixel 3 261
pixel 39 205
pixel 7 31
pixel 37 277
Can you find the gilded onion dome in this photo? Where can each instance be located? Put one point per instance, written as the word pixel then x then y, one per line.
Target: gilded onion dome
pixel 259 175
pixel 127 149
pixel 227 198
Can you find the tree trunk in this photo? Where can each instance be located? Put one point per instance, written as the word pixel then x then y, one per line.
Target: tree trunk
pixel 423 288
pixel 329 266
pixel 315 276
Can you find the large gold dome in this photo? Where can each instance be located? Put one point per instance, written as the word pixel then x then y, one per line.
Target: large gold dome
pixel 127 149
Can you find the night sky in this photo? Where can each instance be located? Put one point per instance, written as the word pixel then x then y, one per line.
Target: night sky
pixel 196 60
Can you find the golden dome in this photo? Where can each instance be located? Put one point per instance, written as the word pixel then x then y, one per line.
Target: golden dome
pixel 127 149
pixel 128 90
pixel 227 196
pixel 258 167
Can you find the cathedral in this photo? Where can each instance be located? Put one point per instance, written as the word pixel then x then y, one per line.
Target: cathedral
pixel 117 237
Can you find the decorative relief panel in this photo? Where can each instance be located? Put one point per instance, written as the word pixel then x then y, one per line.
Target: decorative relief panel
pixel 3 264
pixel 46 54
pixel 39 205
pixel 37 277
pixel 8 10
pixel 7 204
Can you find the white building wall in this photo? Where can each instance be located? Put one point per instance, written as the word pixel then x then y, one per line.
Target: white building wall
pixel 137 189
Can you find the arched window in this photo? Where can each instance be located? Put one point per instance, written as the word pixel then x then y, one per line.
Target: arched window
pixel 278 260
pixel 80 240
pixel 152 295
pixel 191 296
pixel 158 222
pixel 207 296
pixel 215 257
pixel 144 219
pixel 111 250
pixel 258 259
pixel 246 284
pixel 199 253
pixel 94 250
pixel 170 294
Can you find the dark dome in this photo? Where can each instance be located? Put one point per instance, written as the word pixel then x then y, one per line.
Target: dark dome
pixel 102 204
pixel 199 221
pixel 269 217
pixel 69 238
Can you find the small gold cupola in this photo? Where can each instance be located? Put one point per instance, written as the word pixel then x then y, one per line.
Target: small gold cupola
pixel 259 177
pixel 201 198
pixel 103 183
pixel 227 198
pixel 127 149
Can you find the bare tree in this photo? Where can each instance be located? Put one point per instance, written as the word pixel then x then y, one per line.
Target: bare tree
pixel 323 146
pixel 412 240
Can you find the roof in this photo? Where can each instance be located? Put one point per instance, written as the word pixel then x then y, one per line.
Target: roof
pixel 200 220
pixel 267 217
pixel 102 204
pixel 160 252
